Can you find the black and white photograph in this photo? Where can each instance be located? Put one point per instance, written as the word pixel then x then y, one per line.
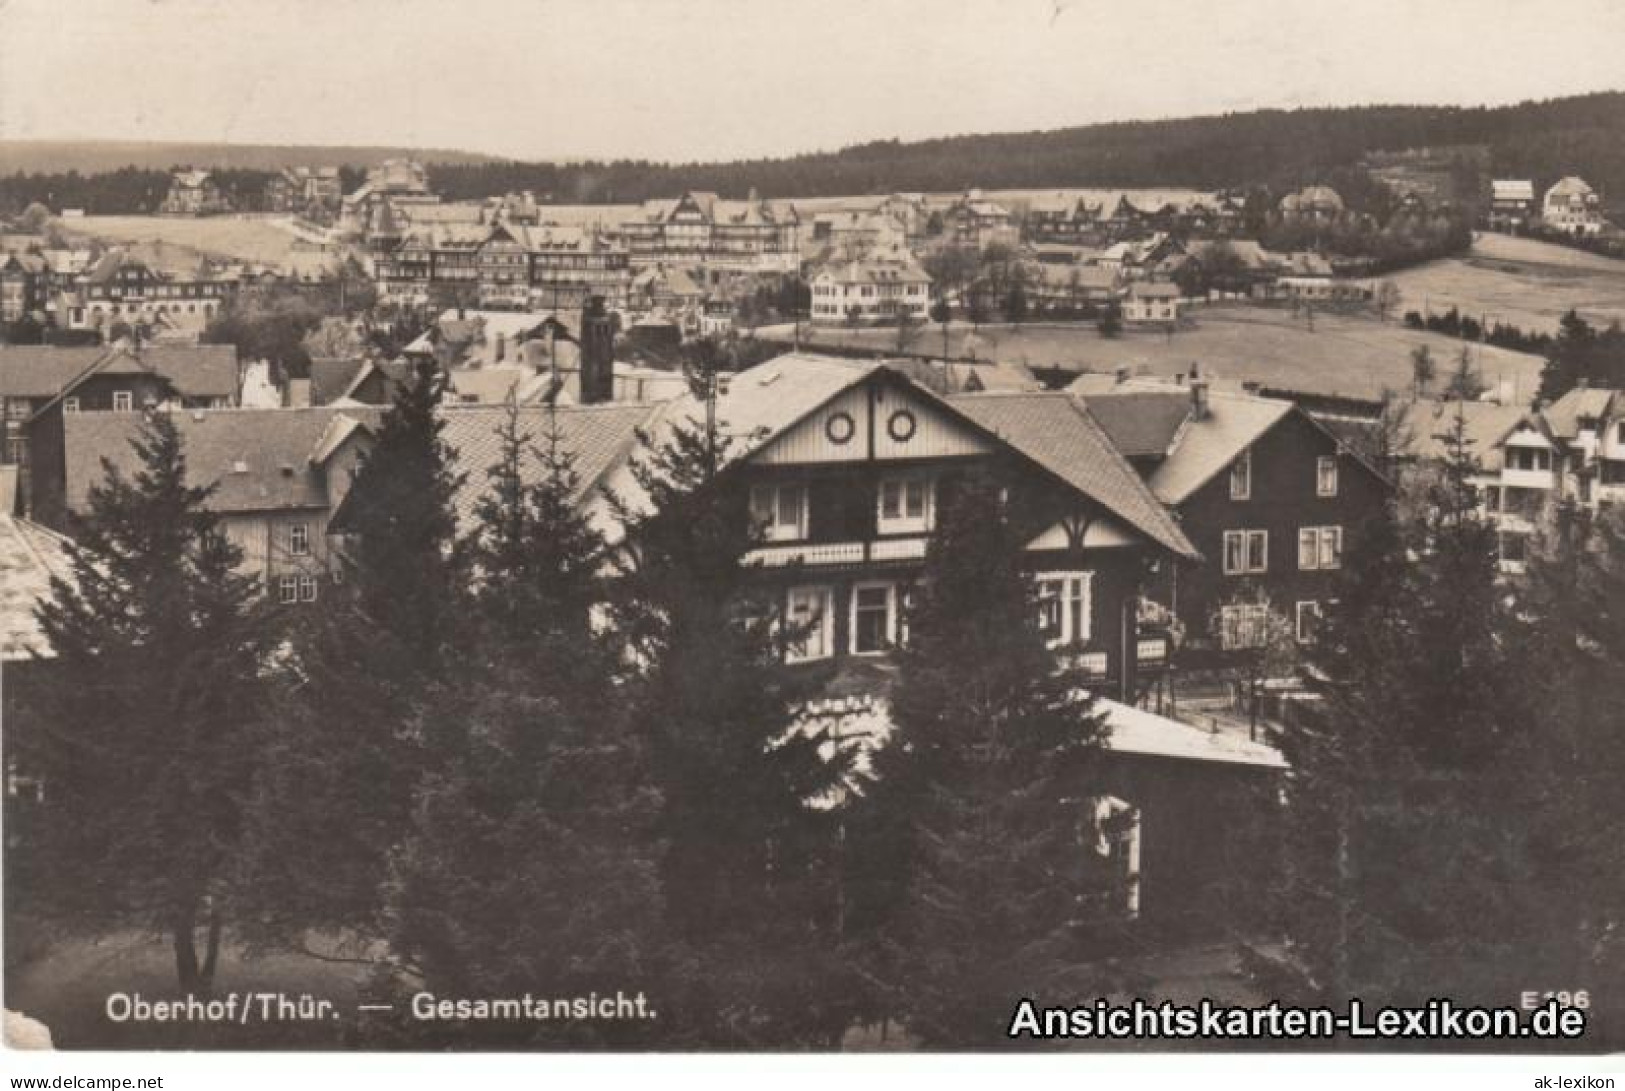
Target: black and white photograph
pixel 538 527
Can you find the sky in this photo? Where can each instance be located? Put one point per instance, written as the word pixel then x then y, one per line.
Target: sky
pixel 720 79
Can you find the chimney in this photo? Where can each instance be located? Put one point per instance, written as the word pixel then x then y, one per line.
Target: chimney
pixel 1199 406
pixel 597 352
pixel 298 393
pixel 1122 374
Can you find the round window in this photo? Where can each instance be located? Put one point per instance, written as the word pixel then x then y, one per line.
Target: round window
pixel 901 425
pixel 840 428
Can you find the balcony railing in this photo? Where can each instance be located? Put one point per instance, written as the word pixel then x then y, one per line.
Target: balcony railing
pixel 832 553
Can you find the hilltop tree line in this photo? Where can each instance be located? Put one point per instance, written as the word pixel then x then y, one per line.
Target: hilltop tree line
pixel 1275 148
pixel 133 190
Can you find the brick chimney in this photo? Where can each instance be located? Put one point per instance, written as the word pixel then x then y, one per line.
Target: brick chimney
pixel 597 352
pixel 1199 393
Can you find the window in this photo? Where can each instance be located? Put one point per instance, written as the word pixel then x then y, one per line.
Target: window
pixel 1528 458
pixel 1246 552
pixel 1320 548
pixel 1242 626
pixel 299 539
pixel 307 588
pixel 781 510
pixel 287 589
pixel 810 613
pixel 1241 477
pixel 1326 475
pixel 123 401
pixel 1063 607
pixel 874 618
pixel 1308 621
pixel 905 505
pixel 70 405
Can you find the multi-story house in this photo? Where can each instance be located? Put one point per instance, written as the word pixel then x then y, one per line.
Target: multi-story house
pixel 1512 205
pixel 1061 219
pixel 845 467
pixel 140 284
pixel 402 182
pixel 1519 465
pixel 306 191
pixel 23 279
pixel 1262 489
pixel 974 220
pixel 40 386
pixel 1146 302
pixel 849 234
pixel 1312 203
pixel 277 476
pixel 193 193
pixel 506 265
pixel 704 230
pixel 872 290
pixel 1572 207
pixel 1590 423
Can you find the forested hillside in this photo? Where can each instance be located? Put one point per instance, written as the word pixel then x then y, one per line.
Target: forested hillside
pixel 1582 135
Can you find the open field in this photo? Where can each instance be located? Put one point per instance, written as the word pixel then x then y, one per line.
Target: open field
pixel 254 240
pixel 1346 357
pixel 1522 282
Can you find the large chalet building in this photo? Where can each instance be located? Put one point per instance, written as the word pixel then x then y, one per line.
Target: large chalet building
pixel 1573 208
pixel 193 193
pixel 1267 494
pixel 505 265
pixel 702 229
pixel 147 284
pixel 306 191
pixel 871 290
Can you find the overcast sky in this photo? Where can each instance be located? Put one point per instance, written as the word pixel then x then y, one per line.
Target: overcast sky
pixel 703 79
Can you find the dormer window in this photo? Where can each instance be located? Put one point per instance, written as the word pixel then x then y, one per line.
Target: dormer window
pixel 1241 477
pixel 781 510
pixel 905 505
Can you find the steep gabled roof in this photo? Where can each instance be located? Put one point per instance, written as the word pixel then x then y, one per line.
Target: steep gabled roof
pixel 1053 430
pixel 257 459
pixel 1582 403
pixel 598 437
pixel 1199 449
pixel 1426 424
pixel 1140 423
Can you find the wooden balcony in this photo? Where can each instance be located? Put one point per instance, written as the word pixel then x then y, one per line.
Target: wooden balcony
pixel 837 553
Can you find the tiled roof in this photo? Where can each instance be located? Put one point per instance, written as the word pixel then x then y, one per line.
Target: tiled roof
pixel 1053 430
pixel 1234 422
pixel 1426 424
pixel 1143 290
pixel 1509 189
pixel 29 556
pixel 1140 423
pixel 42 371
pixel 331 376
pixel 1564 415
pixel 258 459
pixel 599 437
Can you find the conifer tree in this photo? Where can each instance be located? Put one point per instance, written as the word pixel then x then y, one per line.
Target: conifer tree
pixel 979 818
pixel 141 731
pixel 531 856
pixel 354 724
pixel 746 874
pixel 1410 866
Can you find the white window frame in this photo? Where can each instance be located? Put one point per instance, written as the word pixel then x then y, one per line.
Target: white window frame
pixel 299 539
pixel 1308 609
pixel 1245 540
pixel 767 509
pixel 1326 474
pixel 1073 599
pixel 123 401
pixel 1237 620
pixel 70 405
pixel 891 616
pixel 903 522
pixel 287 589
pixel 307 587
pixel 1241 476
pixel 813 606
pixel 1320 549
